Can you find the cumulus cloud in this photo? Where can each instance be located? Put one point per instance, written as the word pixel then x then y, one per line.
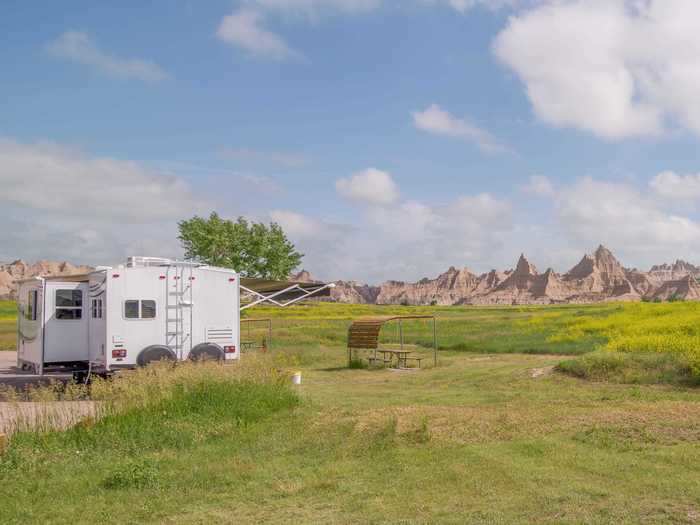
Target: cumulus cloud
pixel 244 28
pixel 673 186
pixel 371 186
pixel 439 122
pixel 298 225
pixel 67 202
pixel 78 47
pixel 405 240
pixel 615 68
pixel 621 215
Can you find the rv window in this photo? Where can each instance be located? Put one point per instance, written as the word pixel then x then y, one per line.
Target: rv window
pixel 69 304
pixel 97 308
pixel 30 312
pixel 148 309
pixel 131 309
pixel 69 298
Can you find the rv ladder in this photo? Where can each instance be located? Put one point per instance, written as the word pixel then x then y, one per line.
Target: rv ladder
pixel 178 288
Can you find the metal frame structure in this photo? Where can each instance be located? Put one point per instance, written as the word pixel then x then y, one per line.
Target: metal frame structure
pixel 363 334
pixel 288 296
pixel 266 342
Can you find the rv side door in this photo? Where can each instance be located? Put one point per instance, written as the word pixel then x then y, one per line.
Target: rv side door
pixel 66 329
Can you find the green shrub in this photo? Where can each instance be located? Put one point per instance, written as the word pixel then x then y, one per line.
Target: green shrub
pixel 634 367
pixel 132 474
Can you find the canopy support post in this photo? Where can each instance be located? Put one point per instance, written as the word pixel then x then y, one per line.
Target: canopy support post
pixel 435 347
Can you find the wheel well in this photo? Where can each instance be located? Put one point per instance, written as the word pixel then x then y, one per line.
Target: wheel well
pixel 155 353
pixel 210 349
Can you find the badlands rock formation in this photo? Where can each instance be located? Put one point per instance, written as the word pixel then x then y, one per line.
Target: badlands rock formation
pixel 17 270
pixel 597 277
pixel 686 289
pixel 675 271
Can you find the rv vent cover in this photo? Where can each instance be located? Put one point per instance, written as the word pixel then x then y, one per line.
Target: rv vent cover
pixel 134 261
pixel 223 335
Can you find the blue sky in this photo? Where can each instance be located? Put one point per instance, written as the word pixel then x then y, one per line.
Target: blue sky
pixel 390 139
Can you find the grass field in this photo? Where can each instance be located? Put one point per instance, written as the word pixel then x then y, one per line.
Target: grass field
pixel 492 435
pixel 8 325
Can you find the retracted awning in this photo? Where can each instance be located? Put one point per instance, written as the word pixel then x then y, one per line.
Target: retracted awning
pixel 279 293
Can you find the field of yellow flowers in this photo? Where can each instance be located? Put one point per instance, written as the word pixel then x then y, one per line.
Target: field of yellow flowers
pixel 633 328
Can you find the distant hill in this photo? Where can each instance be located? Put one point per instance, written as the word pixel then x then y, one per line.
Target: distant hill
pixel 17 270
pixel 597 277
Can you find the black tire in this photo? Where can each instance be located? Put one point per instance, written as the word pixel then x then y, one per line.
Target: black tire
pixel 80 378
pixel 155 353
pixel 207 352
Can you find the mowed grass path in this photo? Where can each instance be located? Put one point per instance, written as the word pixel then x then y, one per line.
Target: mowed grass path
pixel 486 437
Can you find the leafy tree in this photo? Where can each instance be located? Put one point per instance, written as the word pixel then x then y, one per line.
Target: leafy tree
pixel 251 248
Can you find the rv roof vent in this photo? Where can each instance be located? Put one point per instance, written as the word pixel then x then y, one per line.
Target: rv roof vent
pixel 135 261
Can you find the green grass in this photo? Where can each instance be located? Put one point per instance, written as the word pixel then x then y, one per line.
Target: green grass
pixel 460 328
pixel 632 368
pixel 8 325
pixel 486 437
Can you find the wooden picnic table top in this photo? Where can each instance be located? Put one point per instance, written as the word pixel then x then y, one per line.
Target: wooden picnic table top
pixel 397 352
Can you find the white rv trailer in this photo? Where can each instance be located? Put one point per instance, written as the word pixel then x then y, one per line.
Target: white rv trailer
pixel 147 310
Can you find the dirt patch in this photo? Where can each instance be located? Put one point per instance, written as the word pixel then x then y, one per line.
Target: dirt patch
pixel 541 372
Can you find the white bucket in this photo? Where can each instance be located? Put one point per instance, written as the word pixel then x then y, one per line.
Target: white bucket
pixel 296 378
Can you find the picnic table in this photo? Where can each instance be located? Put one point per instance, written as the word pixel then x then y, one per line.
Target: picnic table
pixel 401 356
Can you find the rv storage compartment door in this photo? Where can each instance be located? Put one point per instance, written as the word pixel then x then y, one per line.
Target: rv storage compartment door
pixel 66 331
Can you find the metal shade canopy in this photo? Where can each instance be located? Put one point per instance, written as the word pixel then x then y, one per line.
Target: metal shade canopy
pixel 279 293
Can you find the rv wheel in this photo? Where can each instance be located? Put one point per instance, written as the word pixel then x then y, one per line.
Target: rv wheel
pixel 207 352
pixel 154 353
pixel 80 378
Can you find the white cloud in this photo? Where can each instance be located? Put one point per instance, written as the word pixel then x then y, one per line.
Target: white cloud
pixel 296 224
pixel 244 29
pixel 78 47
pixel 615 68
pixel 620 215
pixel 371 186
pixel 540 186
pixel 95 209
pixel 673 186
pixel 404 240
pixel 438 121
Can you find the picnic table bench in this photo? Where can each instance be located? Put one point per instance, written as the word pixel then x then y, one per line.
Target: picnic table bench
pixel 363 334
pixel 402 356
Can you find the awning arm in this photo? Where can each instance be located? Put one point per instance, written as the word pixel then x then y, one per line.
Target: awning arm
pixel 305 293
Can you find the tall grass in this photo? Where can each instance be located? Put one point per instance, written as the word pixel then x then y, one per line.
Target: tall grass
pixel 135 400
